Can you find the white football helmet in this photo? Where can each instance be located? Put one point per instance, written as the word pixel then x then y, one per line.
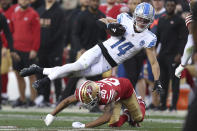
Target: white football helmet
pixel 143 15
pixel 88 94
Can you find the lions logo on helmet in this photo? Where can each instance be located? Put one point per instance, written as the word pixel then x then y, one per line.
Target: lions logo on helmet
pixel 88 94
pixel 143 16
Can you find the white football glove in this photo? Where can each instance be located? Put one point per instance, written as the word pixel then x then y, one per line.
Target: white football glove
pixel 78 125
pixel 178 71
pixel 49 119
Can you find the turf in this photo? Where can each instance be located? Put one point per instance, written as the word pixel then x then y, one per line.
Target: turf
pixel 34 121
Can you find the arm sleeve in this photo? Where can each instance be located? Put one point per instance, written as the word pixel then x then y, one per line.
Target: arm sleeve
pixel 188 51
pixel 7 32
pixel 36 32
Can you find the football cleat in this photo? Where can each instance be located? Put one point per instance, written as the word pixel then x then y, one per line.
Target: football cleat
pixel 131 122
pixel 42 82
pixel 33 69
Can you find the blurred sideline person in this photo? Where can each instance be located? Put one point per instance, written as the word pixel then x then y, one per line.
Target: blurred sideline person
pixel 26 34
pixel 112 52
pixel 111 8
pixel 190 123
pixel 52 20
pixel 111 92
pixel 7 10
pixel 171 50
pixel 4 28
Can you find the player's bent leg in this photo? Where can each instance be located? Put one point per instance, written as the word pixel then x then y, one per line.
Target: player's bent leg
pixel 89 58
pixel 135 107
pixel 116 115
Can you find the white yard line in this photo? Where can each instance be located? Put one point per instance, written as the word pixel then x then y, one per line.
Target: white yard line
pixel 75 118
pixel 75 109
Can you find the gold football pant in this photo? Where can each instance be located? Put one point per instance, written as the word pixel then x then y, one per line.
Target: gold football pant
pixel 132 105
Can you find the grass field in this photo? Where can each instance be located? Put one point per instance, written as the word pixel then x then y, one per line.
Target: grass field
pixel 33 120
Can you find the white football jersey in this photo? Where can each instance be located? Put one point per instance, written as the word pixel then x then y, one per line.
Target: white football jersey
pixel 123 48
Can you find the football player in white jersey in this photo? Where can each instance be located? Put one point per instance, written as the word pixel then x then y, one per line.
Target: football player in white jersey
pixel 112 52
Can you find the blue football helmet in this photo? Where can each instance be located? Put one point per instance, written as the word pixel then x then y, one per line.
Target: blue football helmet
pixel 143 15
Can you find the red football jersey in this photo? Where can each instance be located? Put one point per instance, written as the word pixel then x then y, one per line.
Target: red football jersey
pixel 112 12
pixel 109 86
pixel 26 25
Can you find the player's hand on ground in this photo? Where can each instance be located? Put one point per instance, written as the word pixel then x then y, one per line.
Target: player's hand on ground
pixel 49 119
pixel 41 83
pixel 78 125
pixel 158 87
pixel 178 71
pixel 33 69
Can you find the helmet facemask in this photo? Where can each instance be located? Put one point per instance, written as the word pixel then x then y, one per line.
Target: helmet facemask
pixel 89 94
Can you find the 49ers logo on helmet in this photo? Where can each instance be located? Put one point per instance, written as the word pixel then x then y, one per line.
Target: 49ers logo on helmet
pixel 89 90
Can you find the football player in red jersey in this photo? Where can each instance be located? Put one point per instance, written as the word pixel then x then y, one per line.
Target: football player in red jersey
pixel 190 123
pixel 111 92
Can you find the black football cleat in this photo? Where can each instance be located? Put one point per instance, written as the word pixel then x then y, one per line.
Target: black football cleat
pixel 41 83
pixel 32 69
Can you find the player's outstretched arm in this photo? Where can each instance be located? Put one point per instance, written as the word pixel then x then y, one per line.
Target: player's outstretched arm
pixel 67 101
pixel 104 118
pixel 108 110
pixel 188 52
pixel 151 54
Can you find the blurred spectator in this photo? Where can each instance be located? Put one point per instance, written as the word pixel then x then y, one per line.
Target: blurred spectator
pixel 169 56
pixel 159 11
pixel 71 20
pixel 111 8
pixel 86 34
pixel 69 5
pixel 36 3
pixel 5 29
pixel 26 35
pixel 52 43
pixel 7 9
pixel 6 63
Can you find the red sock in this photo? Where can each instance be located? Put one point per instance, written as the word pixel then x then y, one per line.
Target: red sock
pixel 4 79
pixel 123 118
